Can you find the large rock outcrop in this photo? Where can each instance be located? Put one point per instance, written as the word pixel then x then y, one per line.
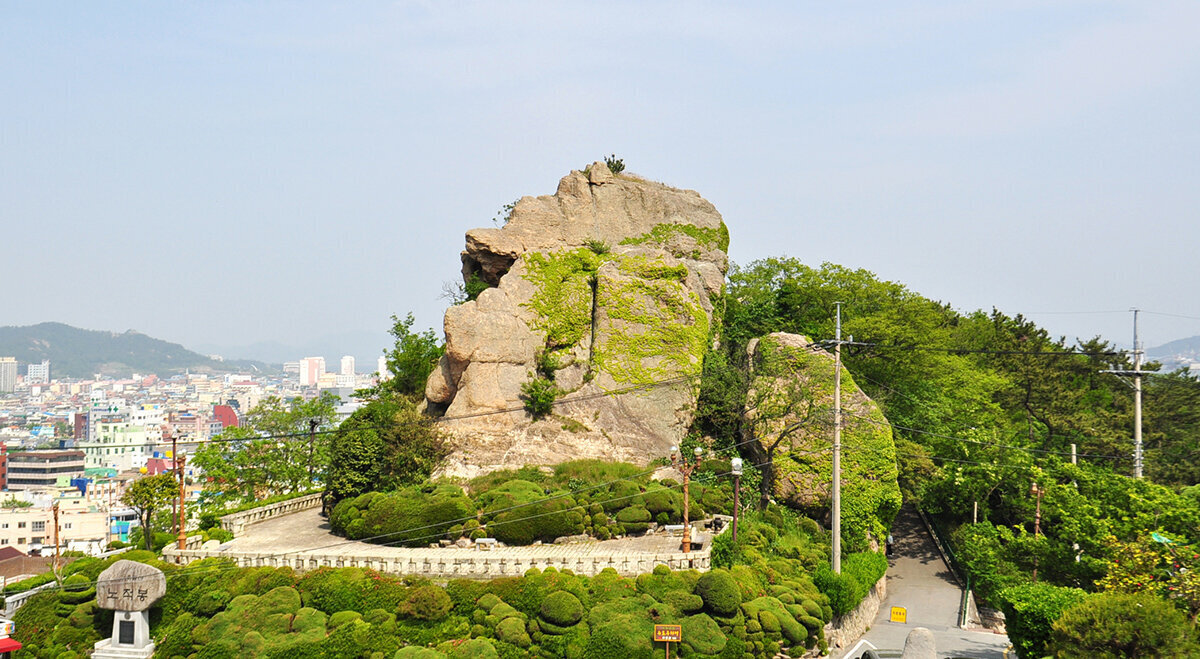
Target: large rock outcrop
pixel 607 288
pixel 788 421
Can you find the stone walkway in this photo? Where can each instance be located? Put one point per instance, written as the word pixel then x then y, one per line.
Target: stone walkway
pixel 304 541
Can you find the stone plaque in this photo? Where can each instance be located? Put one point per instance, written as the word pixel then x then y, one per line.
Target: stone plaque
pixel 130 586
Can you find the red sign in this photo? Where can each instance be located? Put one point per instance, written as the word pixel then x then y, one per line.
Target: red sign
pixel 668 633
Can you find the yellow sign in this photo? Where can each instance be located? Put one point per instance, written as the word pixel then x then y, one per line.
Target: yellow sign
pixel 668 633
pixel 899 614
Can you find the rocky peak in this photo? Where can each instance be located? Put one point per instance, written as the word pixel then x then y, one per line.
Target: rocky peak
pixel 605 287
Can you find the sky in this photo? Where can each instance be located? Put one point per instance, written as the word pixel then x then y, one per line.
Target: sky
pixel 226 173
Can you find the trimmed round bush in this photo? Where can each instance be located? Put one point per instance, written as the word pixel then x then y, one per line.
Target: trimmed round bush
pixel 427 603
pixel 634 519
pixel 719 592
pixel 702 634
pixel 562 608
pixel 512 630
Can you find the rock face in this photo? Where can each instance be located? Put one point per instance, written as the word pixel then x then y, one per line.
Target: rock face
pixel 788 419
pixel 607 289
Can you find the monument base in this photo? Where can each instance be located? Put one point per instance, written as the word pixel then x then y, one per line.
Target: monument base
pixel 106 650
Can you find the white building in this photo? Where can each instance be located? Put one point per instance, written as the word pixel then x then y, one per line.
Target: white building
pixel 311 370
pixel 347 365
pixel 8 375
pixel 118 445
pixel 38 373
pixel 382 369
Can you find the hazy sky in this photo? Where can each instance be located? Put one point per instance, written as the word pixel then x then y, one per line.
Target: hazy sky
pixel 224 173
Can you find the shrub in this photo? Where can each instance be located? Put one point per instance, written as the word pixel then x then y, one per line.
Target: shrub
pixel 634 519
pixel 540 394
pixel 720 592
pixel 1029 612
pixel 562 608
pixel 1122 625
pixel 702 634
pixel 512 630
pixel 427 603
pixel 615 165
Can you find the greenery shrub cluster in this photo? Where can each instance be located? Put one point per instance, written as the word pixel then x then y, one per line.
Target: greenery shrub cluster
pixel 214 609
pixel 600 499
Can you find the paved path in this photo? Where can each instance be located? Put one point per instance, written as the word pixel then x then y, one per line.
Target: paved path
pixel 308 531
pixel 919 580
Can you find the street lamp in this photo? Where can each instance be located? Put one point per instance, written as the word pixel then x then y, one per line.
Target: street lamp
pixel 735 467
pixel 686 468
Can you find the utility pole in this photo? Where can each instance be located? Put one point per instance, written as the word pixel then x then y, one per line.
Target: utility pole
pixel 1074 455
pixel 312 438
pixel 836 497
pixel 1136 374
pixel 175 463
pixel 736 468
pixel 54 508
pixel 1037 522
pixel 182 537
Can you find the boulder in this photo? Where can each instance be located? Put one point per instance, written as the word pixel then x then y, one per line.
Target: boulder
pixel 788 422
pixel 607 288
pixel 920 644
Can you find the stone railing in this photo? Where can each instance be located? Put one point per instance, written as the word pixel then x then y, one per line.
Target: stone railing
pixel 452 563
pixel 17 600
pixel 236 523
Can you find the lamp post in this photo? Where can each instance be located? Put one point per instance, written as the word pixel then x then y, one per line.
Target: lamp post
pixel 735 467
pixel 686 468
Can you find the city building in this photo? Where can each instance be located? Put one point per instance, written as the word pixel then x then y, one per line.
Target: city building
pixel 347 365
pixel 382 369
pixel 81 527
pixel 311 370
pixel 38 373
pixel 8 375
pixel 119 444
pixel 30 470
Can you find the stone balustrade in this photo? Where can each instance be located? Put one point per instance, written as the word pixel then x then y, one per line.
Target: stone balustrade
pixel 451 563
pixel 236 523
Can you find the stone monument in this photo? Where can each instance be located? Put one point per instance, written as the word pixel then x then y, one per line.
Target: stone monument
pixel 129 589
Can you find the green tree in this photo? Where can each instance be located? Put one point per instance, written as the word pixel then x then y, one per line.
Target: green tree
pixel 386 444
pixel 411 360
pixel 274 452
pixel 148 495
pixel 1123 625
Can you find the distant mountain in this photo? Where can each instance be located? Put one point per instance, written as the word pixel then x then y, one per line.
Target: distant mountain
pixel 80 353
pixel 1176 354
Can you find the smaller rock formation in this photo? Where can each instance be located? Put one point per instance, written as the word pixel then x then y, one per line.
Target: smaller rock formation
pixel 788 424
pixel 920 644
pixel 129 588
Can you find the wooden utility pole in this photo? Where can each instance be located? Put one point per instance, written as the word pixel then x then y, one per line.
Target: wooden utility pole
pixel 54 509
pixel 836 497
pixel 182 537
pixel 175 464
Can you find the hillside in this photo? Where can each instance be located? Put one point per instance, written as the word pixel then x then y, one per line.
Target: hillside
pixel 1177 353
pixel 81 353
